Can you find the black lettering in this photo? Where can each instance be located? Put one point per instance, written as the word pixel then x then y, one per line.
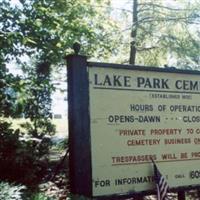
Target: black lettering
pixel 120 118
pixel 140 81
pixel 127 81
pixel 107 81
pixel 156 83
pixel 194 85
pixel 96 80
pixel 116 81
pixel 178 84
pixel 195 174
pixel 187 85
pixel 164 83
pixel 148 83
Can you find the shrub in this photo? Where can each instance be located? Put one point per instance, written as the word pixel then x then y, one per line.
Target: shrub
pixel 22 160
pixel 23 156
pixel 40 196
pixel 11 192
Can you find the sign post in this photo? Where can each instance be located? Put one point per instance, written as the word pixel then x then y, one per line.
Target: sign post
pixel 181 195
pixel 121 117
pixel 79 127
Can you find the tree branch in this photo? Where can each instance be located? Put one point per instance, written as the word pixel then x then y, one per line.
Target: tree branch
pixel 133 50
pixel 147 48
pixel 164 7
pixel 152 19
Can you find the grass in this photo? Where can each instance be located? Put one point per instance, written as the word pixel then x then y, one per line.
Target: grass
pixel 61 125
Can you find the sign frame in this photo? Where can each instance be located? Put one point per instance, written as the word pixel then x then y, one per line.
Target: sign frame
pixel 80 167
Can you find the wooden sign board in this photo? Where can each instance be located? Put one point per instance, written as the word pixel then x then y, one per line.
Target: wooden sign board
pixel 122 116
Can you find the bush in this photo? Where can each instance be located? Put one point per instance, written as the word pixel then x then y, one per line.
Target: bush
pixel 22 160
pixel 11 192
pixel 23 156
pixel 40 196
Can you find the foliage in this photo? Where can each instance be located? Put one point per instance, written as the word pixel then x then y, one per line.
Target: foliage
pixel 10 38
pixel 20 160
pixel 40 196
pixel 37 101
pixel 166 32
pixel 62 144
pixel 45 32
pixel 11 192
pixel 47 29
pixel 9 86
pixel 37 107
pixel 23 157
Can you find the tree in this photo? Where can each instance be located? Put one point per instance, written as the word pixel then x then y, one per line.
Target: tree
pixel 48 29
pixel 37 101
pixel 161 31
pixel 45 32
pixel 10 38
pixel 134 33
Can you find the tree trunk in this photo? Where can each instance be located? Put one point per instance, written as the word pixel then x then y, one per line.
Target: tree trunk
pixel 134 33
pixel 181 195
